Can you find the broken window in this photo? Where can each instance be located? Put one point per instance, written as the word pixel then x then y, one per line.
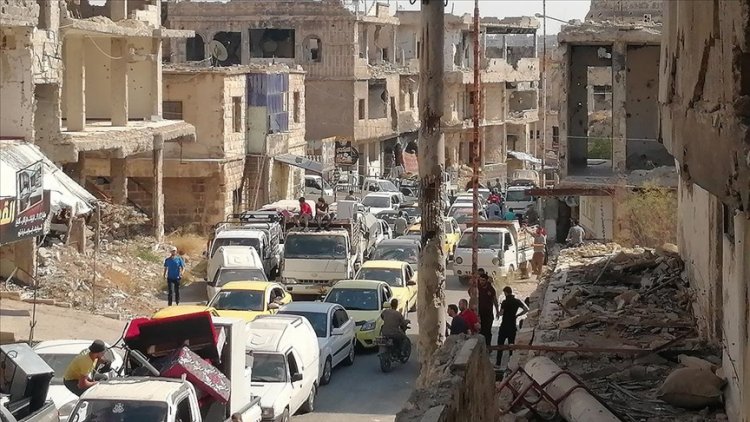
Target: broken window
pixel 361 109
pixel 237 114
pixel 272 43
pixel 363 43
pixel 386 56
pixel 313 49
pixel 411 98
pixel 171 110
pixel 377 99
pixel 195 49
pixel 44 14
pixel 230 54
pixel 296 107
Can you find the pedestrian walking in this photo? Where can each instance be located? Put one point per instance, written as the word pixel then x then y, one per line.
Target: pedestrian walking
pixel 471 318
pixel 400 224
pixel 174 267
pixel 458 324
pixel 540 248
pixel 508 326
pixel 487 298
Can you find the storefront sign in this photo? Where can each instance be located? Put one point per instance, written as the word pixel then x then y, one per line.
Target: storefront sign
pixel 345 154
pixel 26 214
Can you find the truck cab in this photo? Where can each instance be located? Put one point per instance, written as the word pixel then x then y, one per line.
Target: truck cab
pixel 503 248
pixel 516 199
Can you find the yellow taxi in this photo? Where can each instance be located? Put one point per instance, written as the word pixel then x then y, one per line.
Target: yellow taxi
pixel 399 275
pixel 249 299
pixel 171 311
pixel 364 300
pixel 452 234
pixel 238 299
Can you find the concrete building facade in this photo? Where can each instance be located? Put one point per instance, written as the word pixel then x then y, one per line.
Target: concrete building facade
pixel 354 75
pixel 704 89
pixel 608 120
pixel 509 86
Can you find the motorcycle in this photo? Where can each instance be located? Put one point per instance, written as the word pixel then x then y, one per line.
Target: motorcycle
pixel 388 354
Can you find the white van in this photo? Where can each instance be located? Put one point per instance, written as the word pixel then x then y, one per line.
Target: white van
pixel 233 263
pixel 317 186
pixel 286 367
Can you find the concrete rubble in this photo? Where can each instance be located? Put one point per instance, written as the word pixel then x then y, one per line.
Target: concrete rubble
pixel 121 280
pixel 636 301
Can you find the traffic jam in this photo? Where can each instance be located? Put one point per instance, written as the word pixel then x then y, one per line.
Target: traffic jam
pixel 295 289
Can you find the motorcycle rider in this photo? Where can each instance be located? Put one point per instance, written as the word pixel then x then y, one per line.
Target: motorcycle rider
pixel 394 325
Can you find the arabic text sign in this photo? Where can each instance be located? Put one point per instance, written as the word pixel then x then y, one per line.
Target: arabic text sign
pixel 31 222
pixel 345 154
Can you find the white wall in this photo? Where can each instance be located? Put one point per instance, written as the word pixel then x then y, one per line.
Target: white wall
pixel 592 209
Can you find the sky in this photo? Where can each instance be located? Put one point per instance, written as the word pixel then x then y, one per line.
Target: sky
pixel 560 9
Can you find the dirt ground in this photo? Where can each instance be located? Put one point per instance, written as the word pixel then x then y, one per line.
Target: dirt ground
pixel 53 320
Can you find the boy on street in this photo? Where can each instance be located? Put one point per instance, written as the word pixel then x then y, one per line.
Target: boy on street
pixel 174 267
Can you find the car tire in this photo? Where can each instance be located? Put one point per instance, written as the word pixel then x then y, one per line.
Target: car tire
pixel 285 416
pixel 327 370
pixel 309 405
pixel 349 361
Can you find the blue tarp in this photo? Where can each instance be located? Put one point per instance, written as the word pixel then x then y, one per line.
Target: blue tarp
pixel 270 90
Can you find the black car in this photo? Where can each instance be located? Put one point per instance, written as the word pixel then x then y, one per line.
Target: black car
pixel 398 249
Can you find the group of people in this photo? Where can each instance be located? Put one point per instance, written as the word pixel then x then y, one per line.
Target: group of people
pixel 322 213
pixel 466 321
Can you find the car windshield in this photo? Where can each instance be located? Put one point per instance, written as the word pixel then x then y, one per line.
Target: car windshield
pixel 227 275
pixel 404 253
pixel 119 411
pixel 377 201
pixel 412 211
pixel 268 367
pixel 225 241
pixel 318 320
pixel 388 216
pixel 355 299
pixel 238 300
pixel 517 195
pixel 392 276
pixel 484 240
pixel 59 363
pixel 387 186
pixel 306 246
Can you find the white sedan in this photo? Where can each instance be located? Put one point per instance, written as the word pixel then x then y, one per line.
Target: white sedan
pixel 58 354
pixel 335 330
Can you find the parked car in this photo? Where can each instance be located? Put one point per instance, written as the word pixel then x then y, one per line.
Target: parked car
pixel 249 299
pixel 364 301
pixel 398 274
pixel 452 234
pixel 58 354
pixel 335 330
pixel 286 365
pixel 400 249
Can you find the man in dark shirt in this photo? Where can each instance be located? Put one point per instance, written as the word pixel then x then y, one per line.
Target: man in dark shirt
pixel 458 325
pixel 508 326
pixel 487 298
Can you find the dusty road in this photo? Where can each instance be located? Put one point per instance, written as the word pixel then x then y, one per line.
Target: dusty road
pixel 360 393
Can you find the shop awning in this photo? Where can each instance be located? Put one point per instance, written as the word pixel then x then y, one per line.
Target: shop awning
pixel 301 162
pixel 524 157
pixel 64 191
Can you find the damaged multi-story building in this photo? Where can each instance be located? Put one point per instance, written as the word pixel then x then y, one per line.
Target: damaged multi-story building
pixel 357 87
pixel 704 95
pixel 82 83
pixel 608 114
pixel 509 77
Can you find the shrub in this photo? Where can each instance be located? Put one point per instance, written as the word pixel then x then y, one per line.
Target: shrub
pixel 647 217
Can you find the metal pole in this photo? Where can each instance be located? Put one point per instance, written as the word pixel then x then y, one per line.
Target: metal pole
pixel 475 157
pixel 431 155
pixel 544 96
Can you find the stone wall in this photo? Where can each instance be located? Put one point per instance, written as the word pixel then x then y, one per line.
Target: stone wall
pixel 19 13
pixel 624 10
pixel 462 386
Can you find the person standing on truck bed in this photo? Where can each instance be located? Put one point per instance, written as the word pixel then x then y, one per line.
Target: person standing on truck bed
pixel 508 326
pixel 487 298
pixel 77 377
pixel 321 211
pixel 174 267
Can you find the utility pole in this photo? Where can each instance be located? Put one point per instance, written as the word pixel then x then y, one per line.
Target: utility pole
pixel 475 158
pixel 431 156
pixel 544 97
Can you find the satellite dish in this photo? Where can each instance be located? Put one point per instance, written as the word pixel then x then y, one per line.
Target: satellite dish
pixel 218 51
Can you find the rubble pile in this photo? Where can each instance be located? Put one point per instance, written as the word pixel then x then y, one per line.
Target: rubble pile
pixel 607 296
pixel 120 221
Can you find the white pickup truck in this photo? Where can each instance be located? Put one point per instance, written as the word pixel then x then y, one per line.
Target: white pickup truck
pixel 316 259
pixel 503 248
pixel 140 397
